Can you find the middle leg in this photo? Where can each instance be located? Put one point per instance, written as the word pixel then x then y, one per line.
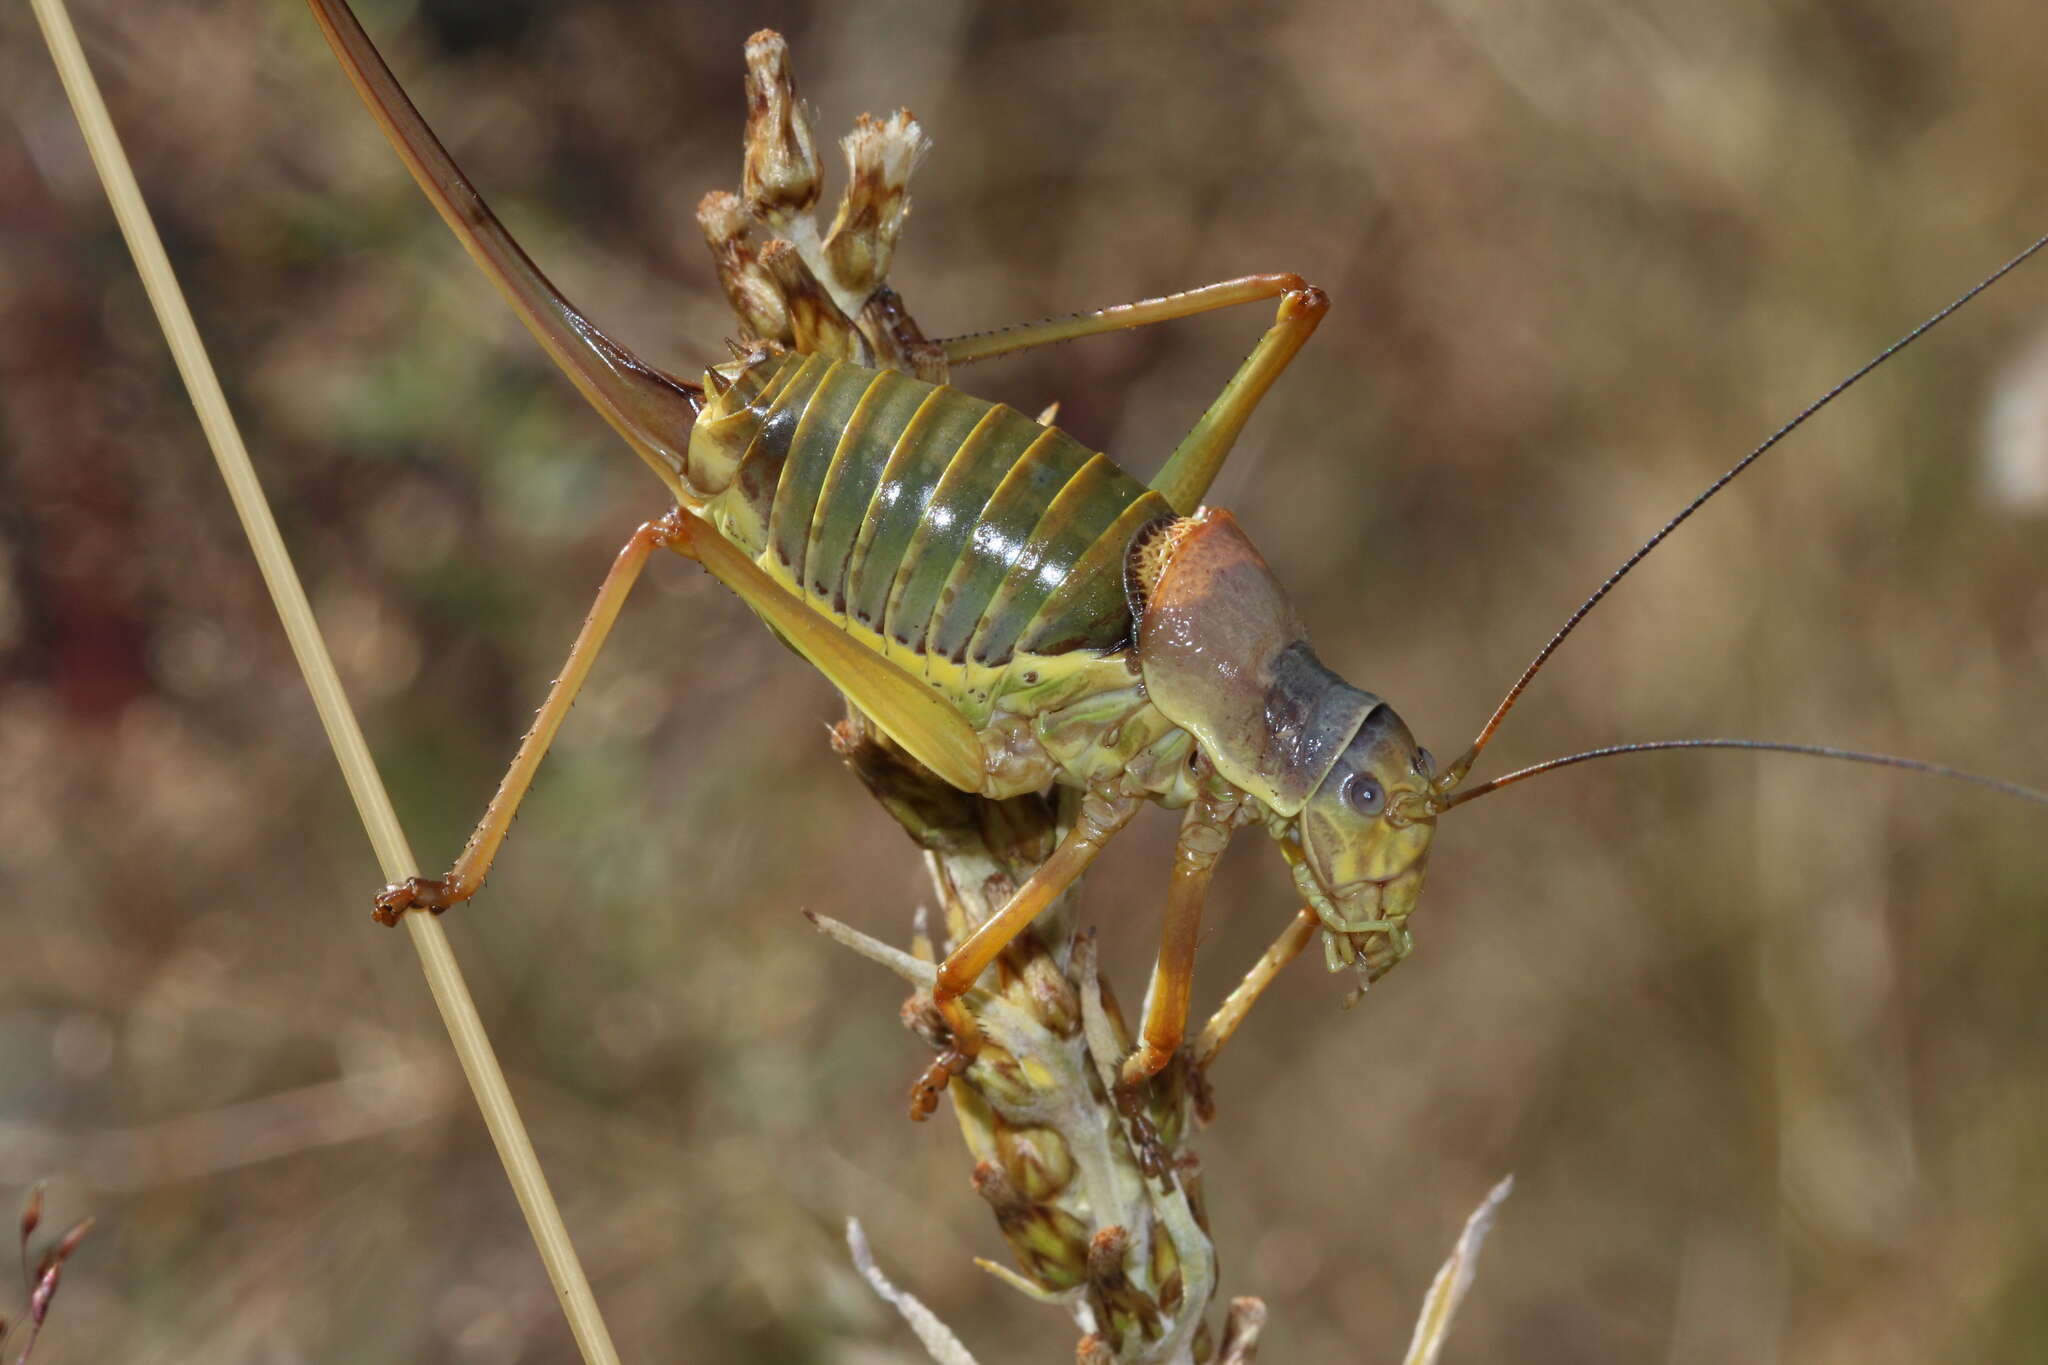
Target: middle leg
pixel 1239 1002
pixel 1103 813
pixel 1204 831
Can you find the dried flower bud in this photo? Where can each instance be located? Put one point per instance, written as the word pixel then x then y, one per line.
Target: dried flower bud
pixel 814 319
pixel 1001 1081
pixel 1121 1308
pixel 781 173
pixel 1052 996
pixel 1051 1245
pixel 1037 1159
pixel 32 1211
pixel 1093 1350
pixel 880 155
pixel 72 1238
pixel 753 294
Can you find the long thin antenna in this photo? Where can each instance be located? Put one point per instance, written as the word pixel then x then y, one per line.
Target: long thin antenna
pixel 1455 774
pixel 652 410
pixel 1913 765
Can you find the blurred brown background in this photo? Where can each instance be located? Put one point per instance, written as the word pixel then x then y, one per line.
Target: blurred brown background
pixel 1761 1040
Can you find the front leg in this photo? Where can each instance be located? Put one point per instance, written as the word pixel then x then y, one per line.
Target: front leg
pixel 1103 812
pixel 1223 1024
pixel 1204 831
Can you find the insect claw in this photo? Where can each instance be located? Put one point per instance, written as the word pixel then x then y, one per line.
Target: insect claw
pixel 924 1096
pixel 924 1092
pixel 414 893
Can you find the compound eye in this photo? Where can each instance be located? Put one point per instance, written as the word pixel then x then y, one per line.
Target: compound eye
pixel 1364 794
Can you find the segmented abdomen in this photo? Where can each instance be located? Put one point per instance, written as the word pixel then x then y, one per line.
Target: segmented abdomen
pixel 955 535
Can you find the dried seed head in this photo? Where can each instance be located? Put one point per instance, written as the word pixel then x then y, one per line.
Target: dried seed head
pixel 1106 1251
pixel 49 1267
pixel 1050 1244
pixel 1036 1159
pixel 880 155
pixel 753 294
pixel 922 1018
pixel 1051 995
pixel 1121 1308
pixel 71 1239
pixel 1001 1080
pixel 781 173
pixel 32 1211
pixel 814 319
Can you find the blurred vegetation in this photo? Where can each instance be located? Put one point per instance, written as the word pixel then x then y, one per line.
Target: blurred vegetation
pixel 1762 1040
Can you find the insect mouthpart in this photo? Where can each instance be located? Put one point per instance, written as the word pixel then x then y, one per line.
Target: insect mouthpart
pixel 1373 904
pixel 1365 926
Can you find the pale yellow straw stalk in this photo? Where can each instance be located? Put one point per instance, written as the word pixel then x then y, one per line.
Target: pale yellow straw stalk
pixel 380 821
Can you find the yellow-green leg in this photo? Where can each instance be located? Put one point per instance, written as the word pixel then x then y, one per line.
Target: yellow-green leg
pixel 1184 480
pixel 962 350
pixel 438 893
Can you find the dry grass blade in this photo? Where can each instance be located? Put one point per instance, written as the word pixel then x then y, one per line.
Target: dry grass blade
pixel 1447 1290
pixel 935 1336
pixel 458 1011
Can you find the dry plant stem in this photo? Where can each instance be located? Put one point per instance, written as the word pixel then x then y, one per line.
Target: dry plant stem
pixel 444 977
pixel 1065 1172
